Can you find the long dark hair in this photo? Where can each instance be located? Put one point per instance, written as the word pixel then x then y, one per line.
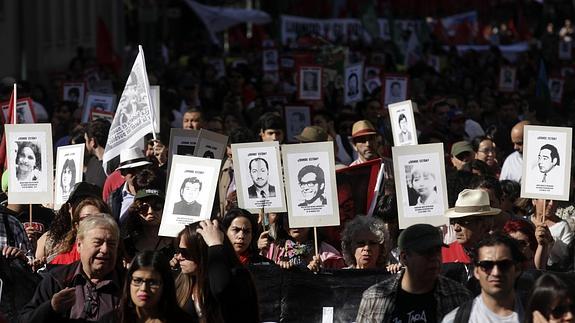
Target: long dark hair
pixel 236 213
pixel 547 290
pixel 198 248
pixel 167 305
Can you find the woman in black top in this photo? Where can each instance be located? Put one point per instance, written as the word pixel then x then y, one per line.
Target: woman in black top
pixel 213 285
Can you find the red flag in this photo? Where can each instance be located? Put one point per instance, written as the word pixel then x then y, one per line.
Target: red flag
pixel 11 116
pixel 105 53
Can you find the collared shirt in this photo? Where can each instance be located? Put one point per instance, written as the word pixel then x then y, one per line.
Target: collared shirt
pixel 512 167
pixel 127 200
pixel 94 301
pixel 19 234
pixel 379 301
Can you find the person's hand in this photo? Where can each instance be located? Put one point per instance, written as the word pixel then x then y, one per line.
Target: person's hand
pixel 13 252
pixel 543 235
pixel 174 263
pixel 263 241
pixel 211 233
pixel 284 264
pixel 315 264
pixel 538 317
pixel 37 263
pixel 32 233
pixel 63 300
pixel 393 268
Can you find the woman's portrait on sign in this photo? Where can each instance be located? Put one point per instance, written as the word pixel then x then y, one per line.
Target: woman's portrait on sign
pixel 28 162
pixel 68 176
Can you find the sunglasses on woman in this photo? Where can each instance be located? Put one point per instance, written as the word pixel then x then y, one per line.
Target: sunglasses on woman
pixel 156 206
pixel 185 252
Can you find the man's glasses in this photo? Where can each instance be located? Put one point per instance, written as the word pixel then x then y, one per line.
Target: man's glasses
pixel 152 283
pixel 503 265
pixel 185 252
pixel 156 206
pixel 309 184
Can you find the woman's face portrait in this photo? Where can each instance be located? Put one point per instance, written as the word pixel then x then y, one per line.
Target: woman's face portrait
pixel 240 234
pixel 423 183
pixel 146 288
pixel 66 177
pixel 26 159
pixel 187 265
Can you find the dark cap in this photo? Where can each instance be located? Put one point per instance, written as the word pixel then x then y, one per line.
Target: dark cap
pixel 420 237
pixel 82 190
pixel 149 192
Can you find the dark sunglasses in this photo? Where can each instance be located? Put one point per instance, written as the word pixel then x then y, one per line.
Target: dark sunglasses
pixel 185 252
pixel 560 310
pixel 503 265
pixel 464 222
pixel 156 206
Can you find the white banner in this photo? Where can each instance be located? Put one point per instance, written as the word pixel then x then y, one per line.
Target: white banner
pixel 340 29
pixel 134 116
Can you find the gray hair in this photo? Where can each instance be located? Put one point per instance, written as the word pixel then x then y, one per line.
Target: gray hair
pixel 354 227
pixel 100 220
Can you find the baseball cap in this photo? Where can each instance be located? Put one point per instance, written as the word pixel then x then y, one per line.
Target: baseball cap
pixel 461 147
pixel 149 192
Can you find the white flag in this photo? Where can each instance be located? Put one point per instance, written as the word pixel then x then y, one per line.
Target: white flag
pixel 219 19
pixel 134 116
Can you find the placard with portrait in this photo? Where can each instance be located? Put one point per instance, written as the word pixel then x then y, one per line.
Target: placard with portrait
pixel 69 171
pixel 403 123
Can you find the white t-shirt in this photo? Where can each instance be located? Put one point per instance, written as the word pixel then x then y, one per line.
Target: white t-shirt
pixel 481 314
pixel 512 167
pixel 562 236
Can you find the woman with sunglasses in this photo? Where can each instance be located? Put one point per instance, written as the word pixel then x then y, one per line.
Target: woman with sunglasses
pixel 241 227
pixel 212 276
pixel 149 292
pixel 140 230
pixel 550 301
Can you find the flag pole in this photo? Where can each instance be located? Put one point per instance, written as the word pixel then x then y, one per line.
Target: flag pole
pixel 147 85
pixel 15 104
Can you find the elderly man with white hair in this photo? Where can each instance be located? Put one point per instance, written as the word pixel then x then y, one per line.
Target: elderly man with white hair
pixel 87 290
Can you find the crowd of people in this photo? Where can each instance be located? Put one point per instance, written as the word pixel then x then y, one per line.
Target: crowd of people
pixel 99 256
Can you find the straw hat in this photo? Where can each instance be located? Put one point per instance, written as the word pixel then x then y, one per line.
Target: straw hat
pixel 362 128
pixel 312 134
pixel 472 203
pixel 133 157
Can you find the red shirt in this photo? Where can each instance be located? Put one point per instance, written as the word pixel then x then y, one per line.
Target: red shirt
pixel 455 253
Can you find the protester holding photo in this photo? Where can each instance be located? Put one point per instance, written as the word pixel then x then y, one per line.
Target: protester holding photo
pixel 242 229
pixel 294 247
pixel 364 243
pixel 139 232
pixel 28 162
pixel 213 286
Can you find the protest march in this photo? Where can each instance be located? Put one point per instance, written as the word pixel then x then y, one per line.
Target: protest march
pixel 291 161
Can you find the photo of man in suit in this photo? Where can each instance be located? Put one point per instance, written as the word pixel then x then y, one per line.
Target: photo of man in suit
pixel 547 159
pixel 259 172
pixel 189 192
pixel 312 185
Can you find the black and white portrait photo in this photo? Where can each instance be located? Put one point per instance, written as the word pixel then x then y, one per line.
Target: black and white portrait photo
pixel 310 83
pixel 98 102
pixel 546 162
pixel 74 92
pixel 310 183
pixel 182 142
pixel 421 186
pixel 30 163
pixel 556 90
pixel 403 125
pixel 395 89
pixel 311 180
pixel 69 166
pixel 189 192
pixel 259 172
pixel 297 118
pixel 270 60
pixel 507 78
pixel 258 176
pixel 24 111
pixel 353 84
